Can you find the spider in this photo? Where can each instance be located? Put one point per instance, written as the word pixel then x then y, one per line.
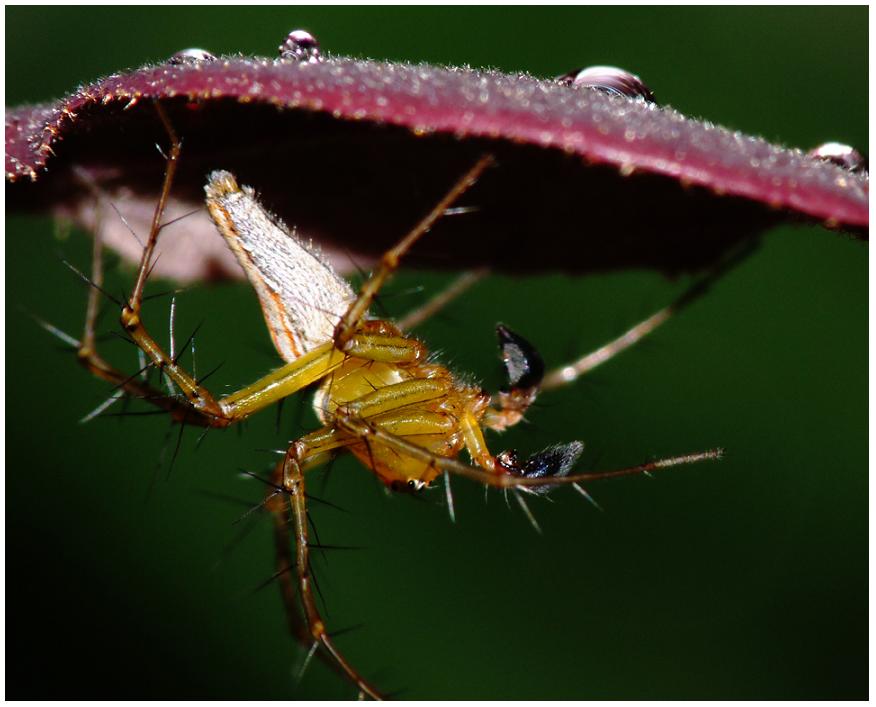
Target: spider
pixel 380 396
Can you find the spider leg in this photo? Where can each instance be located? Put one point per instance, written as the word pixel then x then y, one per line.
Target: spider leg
pixel 304 619
pixel 393 408
pixel 285 564
pixel 196 405
pixel 86 348
pixel 203 407
pixel 93 307
pixel 563 375
pixel 181 410
pixel 526 372
pixel 366 429
pixel 390 260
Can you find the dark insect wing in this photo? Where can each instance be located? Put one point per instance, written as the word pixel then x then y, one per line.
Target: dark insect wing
pixel 523 363
pixel 555 461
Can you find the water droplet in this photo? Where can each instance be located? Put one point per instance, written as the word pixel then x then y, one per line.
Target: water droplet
pixel 611 80
pixel 192 56
pixel 842 155
pixel 300 46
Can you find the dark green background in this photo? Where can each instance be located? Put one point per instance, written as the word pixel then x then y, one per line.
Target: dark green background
pixel 744 579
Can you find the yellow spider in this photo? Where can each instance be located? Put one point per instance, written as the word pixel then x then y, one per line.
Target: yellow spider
pixel 380 397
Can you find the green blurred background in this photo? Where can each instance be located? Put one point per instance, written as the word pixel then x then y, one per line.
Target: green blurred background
pixel 744 579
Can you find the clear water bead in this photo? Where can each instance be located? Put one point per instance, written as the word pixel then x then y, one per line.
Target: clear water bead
pixel 300 46
pixel 192 56
pixel 842 155
pixel 611 80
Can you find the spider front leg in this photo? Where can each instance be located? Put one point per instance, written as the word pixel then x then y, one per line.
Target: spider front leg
pixel 203 407
pixel 86 347
pixel 187 410
pixel 197 405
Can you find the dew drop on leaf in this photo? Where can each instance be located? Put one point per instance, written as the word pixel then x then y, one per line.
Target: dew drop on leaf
pixel 192 56
pixel 300 46
pixel 844 156
pixel 610 80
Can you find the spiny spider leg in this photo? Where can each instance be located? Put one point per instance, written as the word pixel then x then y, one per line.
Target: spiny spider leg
pixel 563 375
pixel 92 309
pixel 389 262
pixel 312 630
pixel 391 407
pixel 364 429
pixel 404 417
pixel 87 353
pixel 285 563
pixel 569 373
pixel 355 337
pixel 203 406
pixel 365 340
pixel 198 406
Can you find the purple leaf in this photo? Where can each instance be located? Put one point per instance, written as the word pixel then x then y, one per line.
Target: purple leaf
pixel 354 152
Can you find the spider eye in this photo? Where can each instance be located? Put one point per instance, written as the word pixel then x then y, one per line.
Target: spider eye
pixel 523 363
